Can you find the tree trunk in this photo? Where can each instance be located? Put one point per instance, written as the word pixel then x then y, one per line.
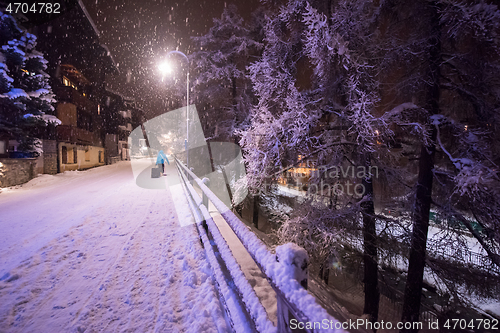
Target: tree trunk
pixel 413 287
pixel 372 294
pixel 255 217
pixel 210 156
pixel 423 198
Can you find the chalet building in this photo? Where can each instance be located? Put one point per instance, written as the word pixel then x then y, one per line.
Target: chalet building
pixel 79 143
pixel 78 65
pixel 120 116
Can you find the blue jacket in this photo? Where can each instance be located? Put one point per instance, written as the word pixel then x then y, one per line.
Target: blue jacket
pixel 161 158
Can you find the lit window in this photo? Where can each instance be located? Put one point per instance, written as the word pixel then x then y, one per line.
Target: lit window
pixel 98 108
pixel 29 73
pixel 68 83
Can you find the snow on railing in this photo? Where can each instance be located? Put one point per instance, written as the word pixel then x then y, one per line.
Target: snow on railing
pixel 285 270
pixel 253 305
pixel 237 317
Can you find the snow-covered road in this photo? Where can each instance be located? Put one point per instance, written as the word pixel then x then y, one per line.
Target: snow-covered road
pixel 92 251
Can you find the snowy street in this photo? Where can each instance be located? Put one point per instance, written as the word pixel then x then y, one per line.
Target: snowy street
pixel 92 251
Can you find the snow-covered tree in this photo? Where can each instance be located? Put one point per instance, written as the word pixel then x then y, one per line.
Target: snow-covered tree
pixel 341 49
pixel 452 66
pixel 411 87
pixel 25 94
pixel 220 79
pixel 280 120
pixel 331 118
pixel 437 80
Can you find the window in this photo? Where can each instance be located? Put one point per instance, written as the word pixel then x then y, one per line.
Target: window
pixel 3 146
pixel 101 157
pixel 64 154
pixel 75 155
pixel 28 73
pixel 87 155
pixel 84 120
pixel 68 83
pixel 98 108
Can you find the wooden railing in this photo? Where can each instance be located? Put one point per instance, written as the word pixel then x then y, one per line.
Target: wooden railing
pixel 69 94
pixel 74 134
pixel 286 271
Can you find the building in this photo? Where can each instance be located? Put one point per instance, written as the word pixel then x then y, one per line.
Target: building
pixel 78 65
pixel 120 116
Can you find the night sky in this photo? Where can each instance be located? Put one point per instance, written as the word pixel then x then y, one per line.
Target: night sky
pixel 140 33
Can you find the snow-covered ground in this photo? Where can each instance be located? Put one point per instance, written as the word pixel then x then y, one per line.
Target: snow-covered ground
pixel 92 251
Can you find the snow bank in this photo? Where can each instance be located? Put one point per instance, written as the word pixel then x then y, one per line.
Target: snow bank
pixel 493 307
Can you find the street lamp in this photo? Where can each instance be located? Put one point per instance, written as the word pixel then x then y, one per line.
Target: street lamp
pixel 166 69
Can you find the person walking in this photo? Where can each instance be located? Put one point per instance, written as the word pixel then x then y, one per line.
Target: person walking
pixel 160 160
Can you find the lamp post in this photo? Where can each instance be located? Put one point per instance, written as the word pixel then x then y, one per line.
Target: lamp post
pixel 165 68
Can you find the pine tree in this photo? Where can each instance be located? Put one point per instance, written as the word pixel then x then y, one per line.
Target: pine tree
pixel 25 94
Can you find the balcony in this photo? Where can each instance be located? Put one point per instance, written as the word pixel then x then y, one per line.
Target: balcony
pixel 74 134
pixel 125 128
pixel 126 114
pixel 70 95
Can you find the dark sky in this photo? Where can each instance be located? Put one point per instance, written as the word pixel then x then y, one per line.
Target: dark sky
pixel 140 33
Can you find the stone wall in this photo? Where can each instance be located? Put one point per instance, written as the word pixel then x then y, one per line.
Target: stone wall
pixel 50 157
pixel 16 171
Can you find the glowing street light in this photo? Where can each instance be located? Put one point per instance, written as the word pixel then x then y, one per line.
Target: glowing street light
pixel 165 68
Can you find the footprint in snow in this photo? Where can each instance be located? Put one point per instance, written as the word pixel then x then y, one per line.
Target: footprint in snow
pixel 8 278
